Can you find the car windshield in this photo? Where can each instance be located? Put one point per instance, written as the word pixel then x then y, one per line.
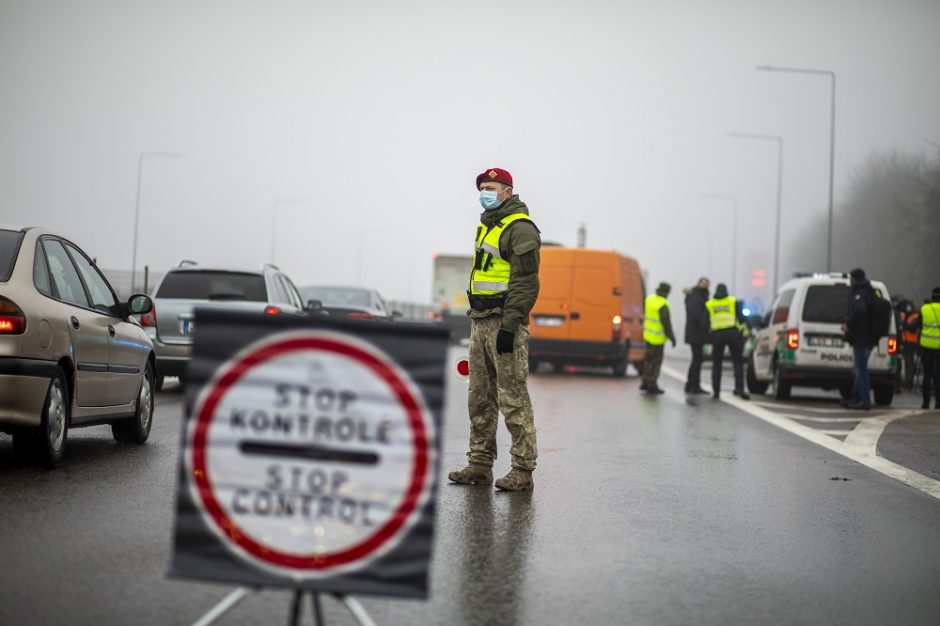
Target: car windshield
pixel 9 247
pixel 336 296
pixel 209 285
pixel 826 304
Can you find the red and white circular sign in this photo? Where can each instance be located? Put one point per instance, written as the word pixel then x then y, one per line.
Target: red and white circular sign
pixel 310 453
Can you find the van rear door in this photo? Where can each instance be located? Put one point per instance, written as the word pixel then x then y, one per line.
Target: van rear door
pixel 822 342
pixel 550 313
pixel 593 301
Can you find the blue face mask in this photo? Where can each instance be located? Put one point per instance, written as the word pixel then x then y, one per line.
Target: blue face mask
pixel 488 200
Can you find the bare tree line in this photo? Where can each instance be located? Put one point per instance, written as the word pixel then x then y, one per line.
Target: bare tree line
pixel 888 223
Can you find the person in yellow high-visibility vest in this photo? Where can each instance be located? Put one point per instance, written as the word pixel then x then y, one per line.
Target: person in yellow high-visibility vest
pixel 657 328
pixel 930 348
pixel 502 287
pixel 724 316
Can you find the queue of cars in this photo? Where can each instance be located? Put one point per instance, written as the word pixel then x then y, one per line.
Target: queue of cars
pixel 72 354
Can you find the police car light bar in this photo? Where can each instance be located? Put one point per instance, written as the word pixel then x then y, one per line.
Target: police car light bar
pixel 820 275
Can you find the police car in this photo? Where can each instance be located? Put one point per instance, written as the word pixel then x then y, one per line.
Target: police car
pixel 800 341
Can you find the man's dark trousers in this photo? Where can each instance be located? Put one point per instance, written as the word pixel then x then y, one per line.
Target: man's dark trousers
pixel 730 337
pixel 693 379
pixel 652 364
pixel 931 362
pixel 862 382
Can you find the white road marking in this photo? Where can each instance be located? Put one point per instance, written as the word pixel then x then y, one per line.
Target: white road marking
pixel 861 449
pixel 804 418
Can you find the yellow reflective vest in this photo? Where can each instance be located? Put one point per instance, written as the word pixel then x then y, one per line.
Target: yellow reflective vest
pixel 721 313
pixel 653 332
pixel 930 326
pixel 490 273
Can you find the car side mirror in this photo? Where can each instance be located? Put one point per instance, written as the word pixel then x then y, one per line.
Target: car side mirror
pixel 313 305
pixel 139 303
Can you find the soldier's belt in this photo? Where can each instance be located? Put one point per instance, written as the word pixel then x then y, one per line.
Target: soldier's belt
pixel 482 303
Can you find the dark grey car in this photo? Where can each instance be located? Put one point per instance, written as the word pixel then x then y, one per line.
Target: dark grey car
pixel 184 288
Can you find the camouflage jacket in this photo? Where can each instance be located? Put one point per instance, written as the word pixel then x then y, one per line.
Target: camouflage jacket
pixel 520 245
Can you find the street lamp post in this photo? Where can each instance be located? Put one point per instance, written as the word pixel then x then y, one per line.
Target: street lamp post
pixel 140 170
pixel 779 141
pixel 734 233
pixel 832 135
pixel 277 203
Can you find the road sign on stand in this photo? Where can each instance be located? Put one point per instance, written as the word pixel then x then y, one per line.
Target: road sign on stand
pixel 310 454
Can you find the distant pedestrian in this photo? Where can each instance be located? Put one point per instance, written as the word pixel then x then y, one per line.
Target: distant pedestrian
pixel 930 348
pixel 858 333
pixel 504 284
pixel 724 314
pixel 657 328
pixel 897 305
pixel 909 330
pixel 697 329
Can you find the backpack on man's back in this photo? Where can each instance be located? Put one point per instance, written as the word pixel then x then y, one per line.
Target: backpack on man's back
pixel 879 315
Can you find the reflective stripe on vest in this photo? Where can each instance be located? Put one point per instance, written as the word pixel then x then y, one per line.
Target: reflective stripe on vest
pixel 490 273
pixel 653 332
pixel 930 329
pixel 721 312
pixel 909 336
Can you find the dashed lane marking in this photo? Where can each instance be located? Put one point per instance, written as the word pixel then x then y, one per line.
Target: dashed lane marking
pixel 861 448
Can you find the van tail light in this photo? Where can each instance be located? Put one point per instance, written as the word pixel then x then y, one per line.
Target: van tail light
pixel 271 310
pixel 616 324
pixel 149 318
pixel 12 319
pixel 892 344
pixel 793 339
pixel 359 315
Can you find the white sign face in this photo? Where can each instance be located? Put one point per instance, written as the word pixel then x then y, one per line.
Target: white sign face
pixel 310 453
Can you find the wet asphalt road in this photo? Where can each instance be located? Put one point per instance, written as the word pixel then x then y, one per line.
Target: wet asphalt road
pixel 646 511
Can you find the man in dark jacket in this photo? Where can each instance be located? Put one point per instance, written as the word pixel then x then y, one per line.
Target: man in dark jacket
pixel 858 333
pixel 697 331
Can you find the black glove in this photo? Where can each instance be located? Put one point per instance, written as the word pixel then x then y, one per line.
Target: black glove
pixel 504 341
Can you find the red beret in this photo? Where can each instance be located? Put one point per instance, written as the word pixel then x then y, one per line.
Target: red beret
pixel 495 175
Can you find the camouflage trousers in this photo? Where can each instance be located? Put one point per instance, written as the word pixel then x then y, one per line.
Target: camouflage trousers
pixel 498 384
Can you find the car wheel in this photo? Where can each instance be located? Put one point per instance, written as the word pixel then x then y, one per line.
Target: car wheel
pixel 884 394
pixel 754 385
pixel 137 429
pixel 557 367
pixel 781 387
pixel 48 439
pixel 158 382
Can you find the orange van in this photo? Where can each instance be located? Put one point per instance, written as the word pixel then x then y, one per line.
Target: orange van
pixel 589 310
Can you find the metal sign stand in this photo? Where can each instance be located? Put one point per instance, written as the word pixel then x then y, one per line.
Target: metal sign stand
pixel 229 602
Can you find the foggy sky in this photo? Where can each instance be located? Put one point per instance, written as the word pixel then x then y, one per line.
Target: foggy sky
pixel 369 121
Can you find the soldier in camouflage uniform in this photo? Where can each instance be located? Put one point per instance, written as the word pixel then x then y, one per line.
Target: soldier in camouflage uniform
pixel 504 284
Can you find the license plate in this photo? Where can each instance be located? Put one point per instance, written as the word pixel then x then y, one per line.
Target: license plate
pixel 187 326
pixel 830 342
pixel 549 320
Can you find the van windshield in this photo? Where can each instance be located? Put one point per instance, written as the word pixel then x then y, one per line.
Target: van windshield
pixel 826 304
pixel 211 285
pixel 9 247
